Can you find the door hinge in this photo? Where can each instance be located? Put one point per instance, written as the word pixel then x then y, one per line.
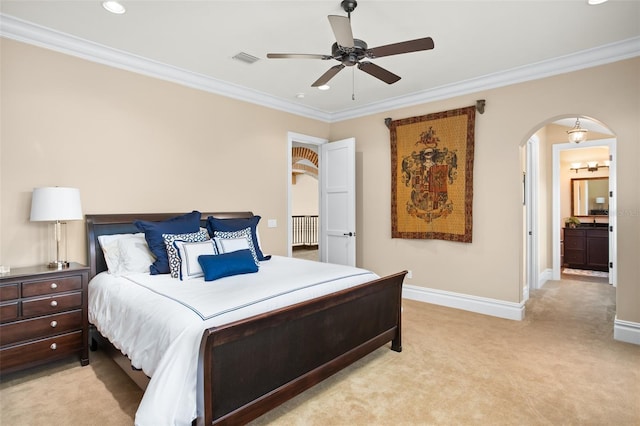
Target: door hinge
pixel 610 193
pixel 610 264
pixel 611 228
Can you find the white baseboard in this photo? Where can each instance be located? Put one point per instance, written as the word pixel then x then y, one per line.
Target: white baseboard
pixel 544 276
pixel 481 305
pixel 626 331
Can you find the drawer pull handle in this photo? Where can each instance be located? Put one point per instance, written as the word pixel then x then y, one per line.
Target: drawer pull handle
pixel 53 346
pixel 54 303
pixel 54 324
pixel 54 286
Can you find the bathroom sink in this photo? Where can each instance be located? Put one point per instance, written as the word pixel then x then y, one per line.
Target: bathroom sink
pixel 593 225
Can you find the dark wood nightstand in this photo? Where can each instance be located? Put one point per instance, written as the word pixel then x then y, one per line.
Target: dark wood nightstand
pixel 43 316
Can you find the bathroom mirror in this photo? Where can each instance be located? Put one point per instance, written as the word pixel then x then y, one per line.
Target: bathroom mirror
pixel 590 196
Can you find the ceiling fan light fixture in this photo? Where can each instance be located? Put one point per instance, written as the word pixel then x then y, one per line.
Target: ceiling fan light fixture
pixel 324 87
pixel 114 7
pixel 577 134
pixel 595 2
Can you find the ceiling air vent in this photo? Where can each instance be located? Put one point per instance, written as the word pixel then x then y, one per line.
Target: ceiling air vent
pixel 245 57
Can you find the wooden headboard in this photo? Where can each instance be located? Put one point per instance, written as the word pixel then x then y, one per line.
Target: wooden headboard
pixel 108 224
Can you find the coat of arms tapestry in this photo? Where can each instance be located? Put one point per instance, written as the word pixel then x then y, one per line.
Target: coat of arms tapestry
pixel 432 176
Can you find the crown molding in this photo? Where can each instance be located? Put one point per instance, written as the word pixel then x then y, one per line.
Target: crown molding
pixel 23 31
pixel 600 55
pixel 27 32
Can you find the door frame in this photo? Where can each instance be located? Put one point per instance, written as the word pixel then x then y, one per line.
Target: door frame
pixel 531 194
pixel 309 140
pixel 556 216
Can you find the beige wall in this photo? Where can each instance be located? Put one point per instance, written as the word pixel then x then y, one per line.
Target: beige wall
pixel 136 144
pixel 304 195
pixel 132 144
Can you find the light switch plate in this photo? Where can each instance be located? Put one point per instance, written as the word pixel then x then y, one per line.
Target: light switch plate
pixel 272 223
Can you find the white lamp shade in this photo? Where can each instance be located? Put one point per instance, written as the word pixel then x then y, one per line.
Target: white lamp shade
pixel 55 203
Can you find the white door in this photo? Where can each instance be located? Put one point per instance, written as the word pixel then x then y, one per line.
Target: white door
pixel 338 202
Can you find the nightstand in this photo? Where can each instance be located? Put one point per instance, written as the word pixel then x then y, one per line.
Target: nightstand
pixel 43 316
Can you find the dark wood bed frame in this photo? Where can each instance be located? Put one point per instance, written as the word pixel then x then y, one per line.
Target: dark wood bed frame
pixel 249 367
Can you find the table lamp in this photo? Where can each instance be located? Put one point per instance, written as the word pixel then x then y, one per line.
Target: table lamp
pixel 56 205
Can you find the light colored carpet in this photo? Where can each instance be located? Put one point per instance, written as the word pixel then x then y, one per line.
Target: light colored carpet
pixel 559 366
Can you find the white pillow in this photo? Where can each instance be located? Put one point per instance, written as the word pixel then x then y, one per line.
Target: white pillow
pixel 228 241
pixel 227 245
pixel 126 253
pixel 188 252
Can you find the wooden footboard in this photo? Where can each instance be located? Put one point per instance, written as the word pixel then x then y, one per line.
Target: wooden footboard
pixel 248 367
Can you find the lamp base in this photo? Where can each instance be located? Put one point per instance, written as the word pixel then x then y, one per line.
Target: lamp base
pixel 58 264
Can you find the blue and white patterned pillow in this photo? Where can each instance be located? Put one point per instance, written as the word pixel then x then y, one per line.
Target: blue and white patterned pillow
pixel 229 241
pixel 172 253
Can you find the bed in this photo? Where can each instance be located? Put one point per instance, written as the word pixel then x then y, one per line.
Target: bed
pixel 248 366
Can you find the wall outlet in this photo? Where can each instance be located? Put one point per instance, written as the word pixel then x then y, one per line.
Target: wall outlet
pixel 409 274
pixel 272 223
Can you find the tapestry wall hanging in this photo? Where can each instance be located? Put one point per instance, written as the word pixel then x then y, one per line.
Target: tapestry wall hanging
pixel 432 176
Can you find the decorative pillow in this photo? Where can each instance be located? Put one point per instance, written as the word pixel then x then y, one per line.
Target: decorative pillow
pixel 227 242
pixel 172 253
pixel 126 253
pixel 189 252
pixel 153 231
pixel 227 264
pixel 230 225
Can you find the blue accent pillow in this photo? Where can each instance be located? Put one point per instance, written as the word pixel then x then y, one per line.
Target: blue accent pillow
pixel 231 225
pixel 217 266
pixel 153 231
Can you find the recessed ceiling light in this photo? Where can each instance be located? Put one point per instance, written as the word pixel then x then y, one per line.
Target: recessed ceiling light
pixel 300 95
pixel 324 87
pixel 114 7
pixel 595 2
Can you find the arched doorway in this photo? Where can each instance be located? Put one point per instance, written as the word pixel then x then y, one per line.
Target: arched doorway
pixel 546 194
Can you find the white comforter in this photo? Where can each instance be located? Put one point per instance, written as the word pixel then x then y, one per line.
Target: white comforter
pixel 158 321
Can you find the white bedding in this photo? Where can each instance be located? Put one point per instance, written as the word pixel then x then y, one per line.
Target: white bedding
pixel 158 321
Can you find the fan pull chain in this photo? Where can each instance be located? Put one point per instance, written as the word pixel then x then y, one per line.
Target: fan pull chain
pixel 353 84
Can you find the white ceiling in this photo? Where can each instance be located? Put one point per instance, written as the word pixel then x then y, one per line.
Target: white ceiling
pixel 478 44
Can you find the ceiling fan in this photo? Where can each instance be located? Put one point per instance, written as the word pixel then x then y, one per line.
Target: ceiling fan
pixel 351 51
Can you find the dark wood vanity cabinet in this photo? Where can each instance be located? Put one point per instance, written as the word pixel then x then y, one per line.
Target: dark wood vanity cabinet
pixel 586 248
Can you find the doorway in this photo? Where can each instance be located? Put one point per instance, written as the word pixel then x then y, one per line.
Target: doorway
pixel 303 210
pixel 541 194
pixel 563 197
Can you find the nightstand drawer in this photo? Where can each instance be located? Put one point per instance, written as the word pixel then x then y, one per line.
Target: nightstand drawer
pixel 9 292
pixel 43 287
pixel 38 328
pixel 9 311
pixel 34 352
pixel 50 305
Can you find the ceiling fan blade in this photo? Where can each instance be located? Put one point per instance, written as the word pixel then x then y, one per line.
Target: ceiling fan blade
pixel 341 27
pixel 297 56
pixel 378 72
pixel 402 47
pixel 324 79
